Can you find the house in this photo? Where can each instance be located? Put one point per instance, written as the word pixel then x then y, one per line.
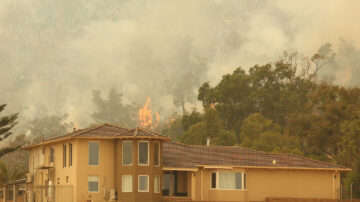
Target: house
pixel 110 163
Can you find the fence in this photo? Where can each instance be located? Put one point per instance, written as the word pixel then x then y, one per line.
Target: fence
pixel 309 200
pixel 50 194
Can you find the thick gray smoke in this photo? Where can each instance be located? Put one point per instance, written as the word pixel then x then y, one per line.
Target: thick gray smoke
pixel 54 53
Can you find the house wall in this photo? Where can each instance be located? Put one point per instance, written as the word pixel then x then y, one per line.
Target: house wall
pixel 262 183
pixel 105 170
pixel 136 170
pixel 59 175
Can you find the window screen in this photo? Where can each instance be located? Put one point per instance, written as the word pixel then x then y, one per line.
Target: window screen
pixel 143 183
pixel 238 180
pixel 143 153
pixel 213 180
pixel 93 153
pixel 93 183
pixel 127 153
pixel 127 183
pixel 156 184
pixel 156 153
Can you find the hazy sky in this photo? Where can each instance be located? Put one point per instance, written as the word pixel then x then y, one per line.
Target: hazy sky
pixel 53 54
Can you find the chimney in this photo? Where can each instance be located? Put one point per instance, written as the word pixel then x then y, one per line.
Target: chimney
pixel 208 141
pixel 74 129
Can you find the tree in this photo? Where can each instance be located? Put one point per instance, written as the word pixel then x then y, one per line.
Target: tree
pixel 350 153
pixel 48 126
pixel 112 110
pixel 260 133
pixel 8 174
pixel 6 124
pixel 211 127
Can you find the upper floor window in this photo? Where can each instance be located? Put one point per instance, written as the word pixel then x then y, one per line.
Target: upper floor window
pixel 143 153
pixel 157 153
pixel 70 154
pixel 127 152
pixel 93 183
pixel 228 180
pixel 52 154
pixel 64 155
pixel 93 153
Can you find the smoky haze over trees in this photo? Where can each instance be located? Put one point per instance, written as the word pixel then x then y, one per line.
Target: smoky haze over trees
pixel 54 54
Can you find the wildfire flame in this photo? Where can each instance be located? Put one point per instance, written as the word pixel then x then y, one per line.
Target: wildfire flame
pixel 145 116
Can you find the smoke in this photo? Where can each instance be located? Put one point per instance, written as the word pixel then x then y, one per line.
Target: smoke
pixel 54 53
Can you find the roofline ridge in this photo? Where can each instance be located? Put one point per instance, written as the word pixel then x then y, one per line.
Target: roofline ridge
pixel 152 132
pixel 88 129
pixel 303 157
pixel 116 126
pixel 225 146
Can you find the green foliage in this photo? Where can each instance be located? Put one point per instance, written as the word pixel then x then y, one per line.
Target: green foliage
pixel 211 127
pixel 6 124
pixel 282 107
pixel 260 133
pixel 173 128
pixel 190 119
pixel 48 126
pixel 350 152
pixel 112 110
pixel 8 174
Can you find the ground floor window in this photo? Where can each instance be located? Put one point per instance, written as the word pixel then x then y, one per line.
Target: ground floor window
pixel 157 184
pixel 143 183
pixel 93 183
pixel 228 180
pixel 127 183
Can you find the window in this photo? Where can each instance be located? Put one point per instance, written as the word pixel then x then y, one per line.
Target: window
pixel 70 154
pixel 64 155
pixel 228 180
pixel 156 153
pixel 143 183
pixel 143 153
pixel 127 153
pixel 167 184
pixel 52 154
pixel 93 153
pixel 244 180
pixel 156 184
pixel 127 183
pixel 213 180
pixel 93 183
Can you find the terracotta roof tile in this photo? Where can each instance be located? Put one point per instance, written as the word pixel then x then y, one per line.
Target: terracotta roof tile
pixel 189 156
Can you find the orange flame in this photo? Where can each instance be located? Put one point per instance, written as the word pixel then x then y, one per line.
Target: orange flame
pixel 145 117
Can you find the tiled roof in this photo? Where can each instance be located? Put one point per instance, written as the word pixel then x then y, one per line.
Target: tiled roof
pixel 142 133
pixel 177 155
pixel 106 131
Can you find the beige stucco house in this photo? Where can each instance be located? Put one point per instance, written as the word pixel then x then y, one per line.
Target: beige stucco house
pixel 110 163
